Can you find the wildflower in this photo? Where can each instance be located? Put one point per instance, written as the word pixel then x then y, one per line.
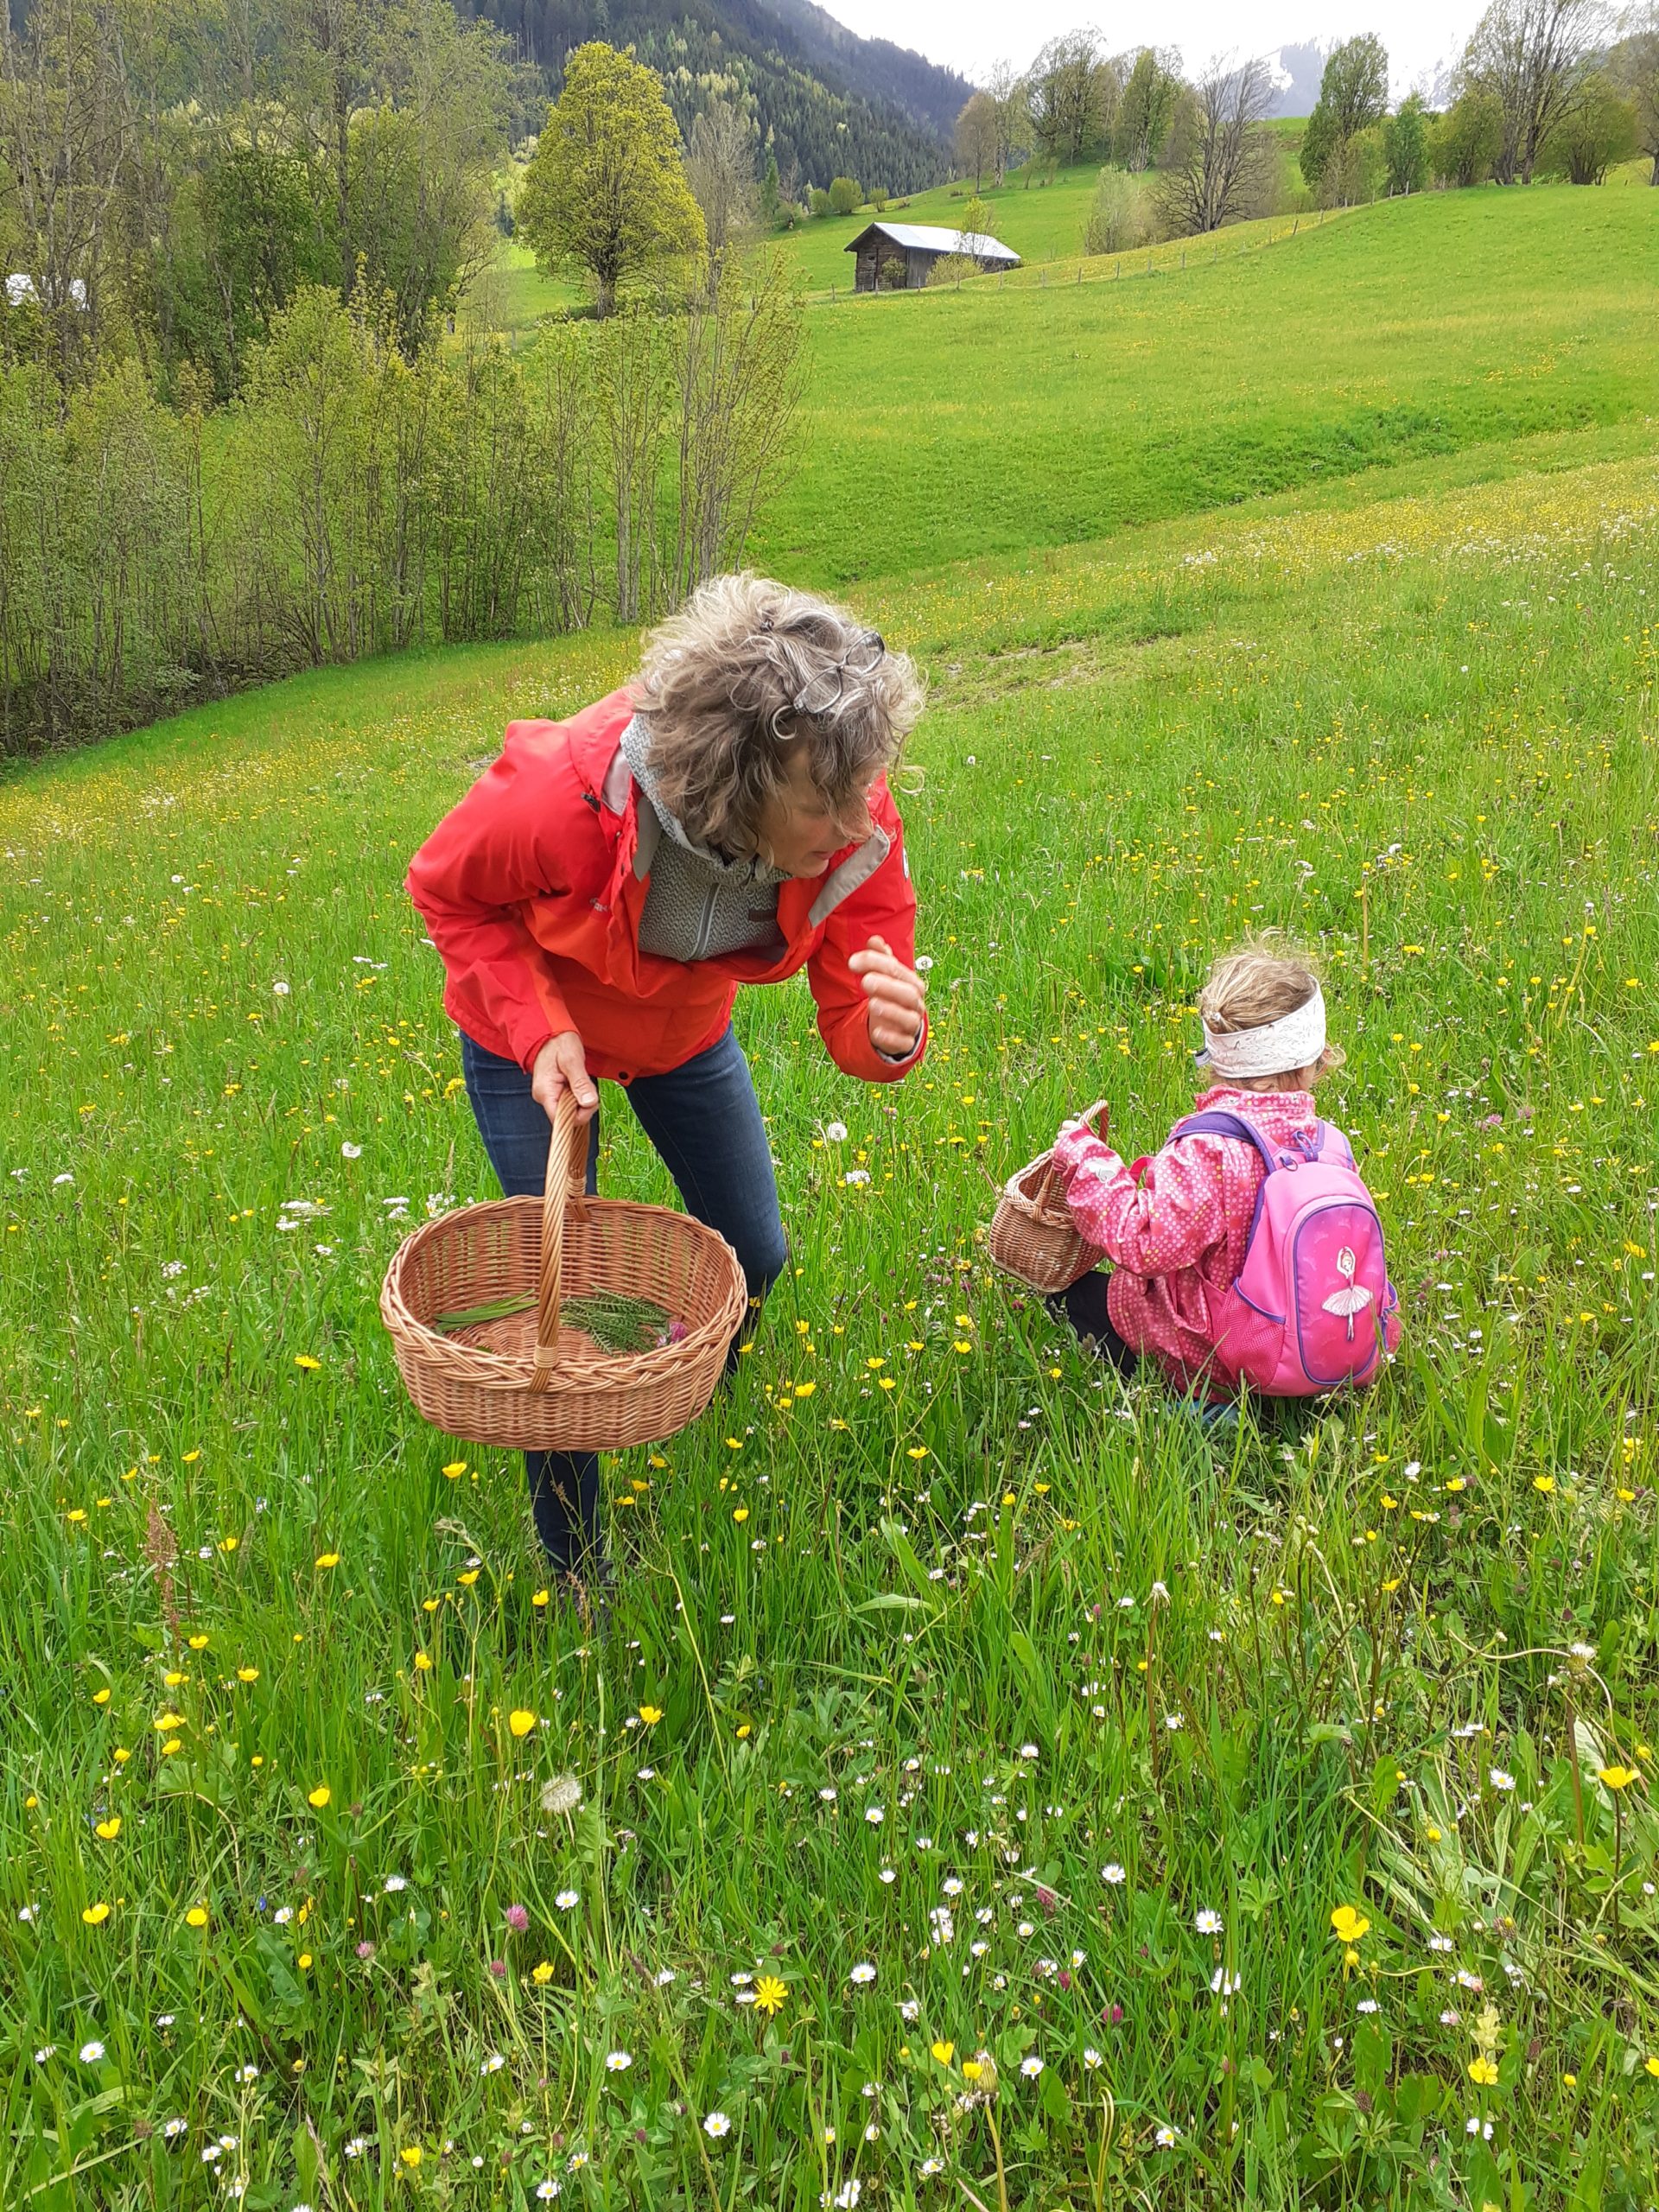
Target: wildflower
pixel 618 2061
pixel 95 1915
pixel 1166 2135
pixel 521 1720
pixel 517 1918
pixel 944 2052
pixel 1207 1922
pixel 319 1797
pixel 929 2167
pixel 862 1973
pixel 770 1994
pixel 876 1814
pixel 1224 1984
pixel 1368 2005
pixel 548 2190
pixel 393 1882
pixel 567 1900
pixel 1112 1873
pixel 107 1831
pixel 1349 1923
pixel 90 2053
pixel 561 1795
pixel 1092 2059
pixel 1484 2070
pixel 1651 2066
pixel 304 1360
pixel 835 1132
pixel 411 2154
pixel 196 1916
pixel 1031 2066
pixel 1616 1778
pixel 493 2063
pixel 1500 1780
pixel 351 1152
pixel 328 1559
pixel 541 1974
pixel 651 1714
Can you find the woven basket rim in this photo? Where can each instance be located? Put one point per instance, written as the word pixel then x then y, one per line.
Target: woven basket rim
pixel 475 1365
pixel 1023 1203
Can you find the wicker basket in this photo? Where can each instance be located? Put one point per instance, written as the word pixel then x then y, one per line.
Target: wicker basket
pixel 525 1382
pixel 1032 1235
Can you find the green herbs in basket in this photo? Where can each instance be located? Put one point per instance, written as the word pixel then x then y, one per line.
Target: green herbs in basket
pixel 616 1323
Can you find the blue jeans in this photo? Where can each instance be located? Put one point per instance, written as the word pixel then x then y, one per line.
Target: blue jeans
pixel 705 1123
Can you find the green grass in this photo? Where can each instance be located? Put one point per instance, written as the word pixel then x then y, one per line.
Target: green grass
pixel 988 421
pixel 944 1599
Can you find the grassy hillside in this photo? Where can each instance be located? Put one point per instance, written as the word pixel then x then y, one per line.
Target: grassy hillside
pixel 962 1643
pixel 950 425
pixel 1267 1819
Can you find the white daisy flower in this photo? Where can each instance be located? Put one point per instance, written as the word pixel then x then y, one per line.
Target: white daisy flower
pixel 716 2125
pixel 618 2061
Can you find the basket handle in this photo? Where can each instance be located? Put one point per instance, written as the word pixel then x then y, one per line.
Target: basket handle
pixel 566 1185
pixel 1046 1184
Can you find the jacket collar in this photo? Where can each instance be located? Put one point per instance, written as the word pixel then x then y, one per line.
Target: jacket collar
pixel 627 775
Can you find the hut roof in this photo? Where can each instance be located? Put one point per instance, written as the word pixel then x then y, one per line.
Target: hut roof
pixel 927 237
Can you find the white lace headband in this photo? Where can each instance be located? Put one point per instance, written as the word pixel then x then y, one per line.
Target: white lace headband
pixel 1295 1041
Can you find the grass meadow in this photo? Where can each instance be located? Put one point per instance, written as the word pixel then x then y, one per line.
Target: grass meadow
pixel 989 1790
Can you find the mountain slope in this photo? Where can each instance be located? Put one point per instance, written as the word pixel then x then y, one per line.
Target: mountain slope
pixel 875 67
pixel 828 103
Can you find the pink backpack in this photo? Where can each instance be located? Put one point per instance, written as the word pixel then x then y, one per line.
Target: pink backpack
pixel 1312 1309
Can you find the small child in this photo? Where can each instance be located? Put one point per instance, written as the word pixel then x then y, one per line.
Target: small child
pixel 1315 1310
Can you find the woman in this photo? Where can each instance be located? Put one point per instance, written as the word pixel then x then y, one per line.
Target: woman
pixel 602 890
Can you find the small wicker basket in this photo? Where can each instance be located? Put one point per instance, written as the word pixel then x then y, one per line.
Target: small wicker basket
pixel 523 1382
pixel 1032 1235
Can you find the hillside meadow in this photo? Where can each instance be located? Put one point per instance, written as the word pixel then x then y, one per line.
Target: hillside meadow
pixel 988 1788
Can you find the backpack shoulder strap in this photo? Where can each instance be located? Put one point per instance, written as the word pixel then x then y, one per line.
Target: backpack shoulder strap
pixel 1216 1123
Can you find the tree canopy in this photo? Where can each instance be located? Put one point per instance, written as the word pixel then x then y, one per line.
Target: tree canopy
pixel 606 186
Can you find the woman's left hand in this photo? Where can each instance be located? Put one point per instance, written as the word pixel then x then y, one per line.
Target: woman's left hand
pixel 898 999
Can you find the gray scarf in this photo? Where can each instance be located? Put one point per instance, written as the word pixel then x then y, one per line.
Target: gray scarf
pixel 699 905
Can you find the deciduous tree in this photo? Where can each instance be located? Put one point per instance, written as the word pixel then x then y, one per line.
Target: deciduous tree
pixel 720 169
pixel 1353 96
pixel 1531 55
pixel 976 138
pixel 605 187
pixel 1405 146
pixel 1147 108
pixel 1226 165
pixel 1595 132
pixel 1635 63
pixel 1010 99
pixel 1072 96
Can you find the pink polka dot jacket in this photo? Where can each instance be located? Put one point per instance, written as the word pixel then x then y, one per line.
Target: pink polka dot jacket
pixel 1176 1225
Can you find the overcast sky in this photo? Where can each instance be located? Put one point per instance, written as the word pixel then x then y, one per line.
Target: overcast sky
pixel 970 34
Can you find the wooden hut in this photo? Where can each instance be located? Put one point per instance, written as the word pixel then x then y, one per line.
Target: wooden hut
pixel 920 247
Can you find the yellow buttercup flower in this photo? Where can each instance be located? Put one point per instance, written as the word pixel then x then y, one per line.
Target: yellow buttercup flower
pixel 197 1916
pixel 945 2052
pixel 107 1831
pixel 521 1720
pixel 319 1797
pixel 328 1559
pixel 1349 1923
pixel 651 1714
pixel 1616 1778
pixel 95 1915
pixel 1484 2070
pixel 541 1974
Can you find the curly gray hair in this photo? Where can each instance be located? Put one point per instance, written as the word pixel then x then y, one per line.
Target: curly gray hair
pixel 745 671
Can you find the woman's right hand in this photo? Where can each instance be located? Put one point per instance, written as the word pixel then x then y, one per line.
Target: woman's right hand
pixel 559 1066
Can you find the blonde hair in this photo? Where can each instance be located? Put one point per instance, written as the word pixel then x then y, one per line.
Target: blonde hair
pixel 1263 981
pixel 717 687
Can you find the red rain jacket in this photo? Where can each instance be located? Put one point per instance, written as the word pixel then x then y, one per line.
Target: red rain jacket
pixel 528 891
